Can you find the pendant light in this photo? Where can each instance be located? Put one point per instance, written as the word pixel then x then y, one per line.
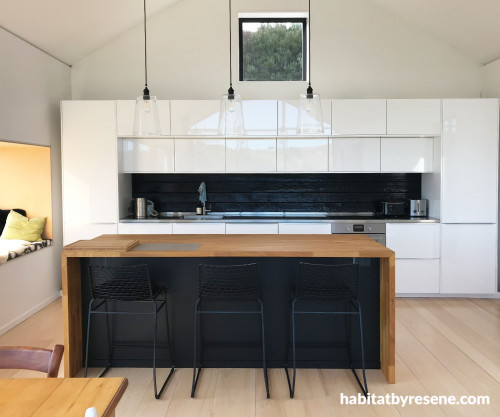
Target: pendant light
pixel 310 120
pixel 231 109
pixel 147 120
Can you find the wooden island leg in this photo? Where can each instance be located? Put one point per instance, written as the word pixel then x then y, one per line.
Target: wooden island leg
pixel 388 318
pixel 72 315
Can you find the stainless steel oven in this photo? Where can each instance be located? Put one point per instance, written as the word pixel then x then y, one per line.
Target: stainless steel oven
pixel 376 231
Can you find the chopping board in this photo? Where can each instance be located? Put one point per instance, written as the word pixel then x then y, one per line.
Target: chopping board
pixel 103 244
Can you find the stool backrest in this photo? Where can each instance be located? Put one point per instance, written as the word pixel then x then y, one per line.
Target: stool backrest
pixel 327 282
pixel 120 283
pixel 229 282
pixel 32 358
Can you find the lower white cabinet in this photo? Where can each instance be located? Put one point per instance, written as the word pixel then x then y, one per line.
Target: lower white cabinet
pixel 145 228
pixel 406 154
pixel 354 155
pixel 148 155
pixel 305 228
pixel 251 228
pixel 417 276
pixel 200 155
pixel 414 240
pixel 74 232
pixel 469 258
pixel 198 228
pixel 302 155
pixel 251 155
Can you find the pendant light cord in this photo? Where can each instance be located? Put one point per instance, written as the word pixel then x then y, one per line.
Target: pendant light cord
pixel 309 42
pixel 230 53
pixel 146 90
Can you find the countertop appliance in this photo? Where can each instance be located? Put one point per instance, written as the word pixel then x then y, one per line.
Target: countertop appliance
pixel 394 208
pixel 418 208
pixel 376 231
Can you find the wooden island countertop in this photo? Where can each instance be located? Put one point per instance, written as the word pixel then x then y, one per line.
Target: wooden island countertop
pixel 199 246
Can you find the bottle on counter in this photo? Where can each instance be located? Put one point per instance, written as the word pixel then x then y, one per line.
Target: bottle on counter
pixel 199 208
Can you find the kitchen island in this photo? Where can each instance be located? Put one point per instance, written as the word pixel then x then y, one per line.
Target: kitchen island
pixel 277 256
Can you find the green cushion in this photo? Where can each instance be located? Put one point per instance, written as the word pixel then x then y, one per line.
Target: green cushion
pixel 20 227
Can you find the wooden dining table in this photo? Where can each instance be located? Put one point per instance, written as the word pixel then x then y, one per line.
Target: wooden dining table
pixel 59 397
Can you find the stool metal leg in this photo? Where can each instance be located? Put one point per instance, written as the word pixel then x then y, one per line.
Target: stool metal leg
pixel 264 363
pixel 291 384
pixel 196 375
pixel 365 391
pixel 88 335
pixel 158 393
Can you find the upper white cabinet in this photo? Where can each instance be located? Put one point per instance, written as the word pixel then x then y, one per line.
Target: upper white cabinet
pixel 288 113
pixel 125 114
pixel 89 162
pixel 200 155
pixel 148 155
pixel 469 258
pixel 470 161
pixel 354 155
pixel 406 155
pixel 359 117
pixel 302 155
pixel 251 155
pixel 408 240
pixel 414 117
pixel 194 117
pixel 260 117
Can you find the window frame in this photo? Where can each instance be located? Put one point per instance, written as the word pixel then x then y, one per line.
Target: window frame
pixel 305 55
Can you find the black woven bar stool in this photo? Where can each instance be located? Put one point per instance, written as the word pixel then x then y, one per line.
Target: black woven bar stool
pixel 227 283
pixel 327 284
pixel 129 283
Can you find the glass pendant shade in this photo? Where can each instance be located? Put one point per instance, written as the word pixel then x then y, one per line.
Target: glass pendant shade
pixel 231 115
pixel 147 119
pixel 310 120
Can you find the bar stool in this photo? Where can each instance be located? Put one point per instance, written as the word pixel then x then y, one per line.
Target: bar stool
pixel 221 283
pixel 132 284
pixel 327 284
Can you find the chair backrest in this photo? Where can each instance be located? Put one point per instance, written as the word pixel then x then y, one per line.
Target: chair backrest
pixel 120 283
pixel 32 358
pixel 327 282
pixel 229 282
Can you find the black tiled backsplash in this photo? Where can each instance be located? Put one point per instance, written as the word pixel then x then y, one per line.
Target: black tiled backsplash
pixel 276 192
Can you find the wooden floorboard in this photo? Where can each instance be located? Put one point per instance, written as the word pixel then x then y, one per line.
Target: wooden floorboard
pixel 443 346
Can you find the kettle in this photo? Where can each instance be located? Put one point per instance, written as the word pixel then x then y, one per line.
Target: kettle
pixel 141 208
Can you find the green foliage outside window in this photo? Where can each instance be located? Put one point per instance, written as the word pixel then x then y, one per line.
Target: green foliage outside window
pixel 273 53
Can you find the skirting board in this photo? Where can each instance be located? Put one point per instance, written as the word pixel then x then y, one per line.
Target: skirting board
pixel 29 313
pixel 492 296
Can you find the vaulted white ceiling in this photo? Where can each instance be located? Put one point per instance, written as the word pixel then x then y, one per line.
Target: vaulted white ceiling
pixel 471 26
pixel 71 29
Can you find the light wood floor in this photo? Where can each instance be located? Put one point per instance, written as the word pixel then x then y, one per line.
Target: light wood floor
pixel 443 346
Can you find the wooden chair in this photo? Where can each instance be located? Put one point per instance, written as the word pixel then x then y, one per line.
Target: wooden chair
pixel 34 359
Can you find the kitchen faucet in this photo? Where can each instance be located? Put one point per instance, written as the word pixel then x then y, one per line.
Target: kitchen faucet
pixel 202 190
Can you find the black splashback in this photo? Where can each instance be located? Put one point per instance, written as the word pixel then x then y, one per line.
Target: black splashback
pixel 276 192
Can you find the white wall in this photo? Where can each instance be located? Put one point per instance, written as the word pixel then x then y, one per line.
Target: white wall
pixel 359 50
pixel 491 79
pixel 31 86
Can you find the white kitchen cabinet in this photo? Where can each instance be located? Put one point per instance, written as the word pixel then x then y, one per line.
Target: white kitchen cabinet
pixel 194 117
pixel 354 155
pixel 359 117
pixel 200 155
pixel 154 228
pixel 251 155
pixel 89 162
pixel 302 155
pixel 251 228
pixel 470 161
pixel 305 228
pixel 288 114
pixel 198 228
pixel 78 231
pixel 125 115
pixel 260 117
pixel 469 258
pixel 406 155
pixel 414 240
pixel 417 276
pixel 414 117
pixel 143 155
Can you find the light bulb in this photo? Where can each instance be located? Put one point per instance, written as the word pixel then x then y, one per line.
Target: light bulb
pixel 147 107
pixel 230 105
pixel 309 105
